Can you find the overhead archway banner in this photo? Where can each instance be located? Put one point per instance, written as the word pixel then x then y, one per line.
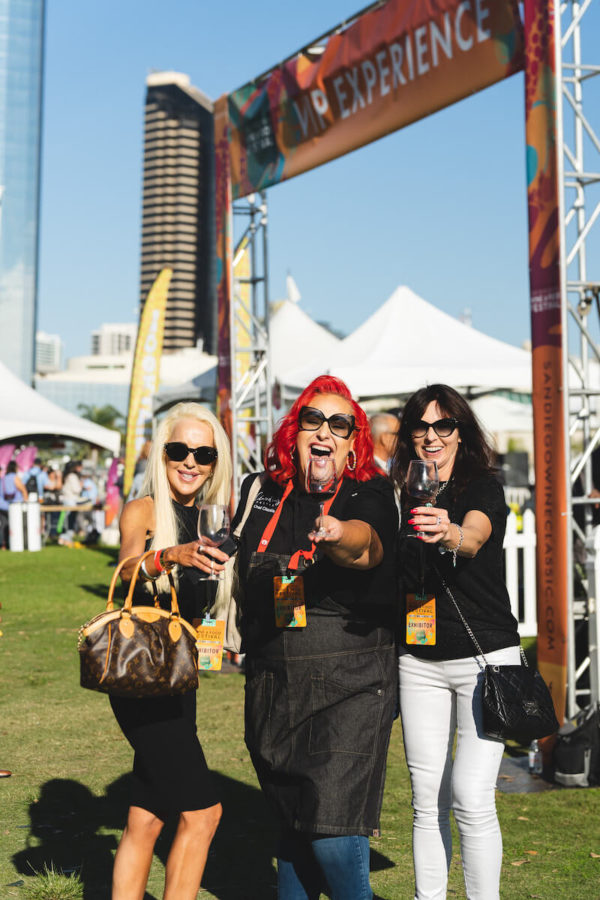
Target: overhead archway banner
pixel 392 66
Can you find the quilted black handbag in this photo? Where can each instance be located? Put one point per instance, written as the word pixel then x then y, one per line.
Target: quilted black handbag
pixel 516 701
pixel 138 651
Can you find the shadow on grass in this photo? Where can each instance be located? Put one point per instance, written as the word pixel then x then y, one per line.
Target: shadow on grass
pixel 68 824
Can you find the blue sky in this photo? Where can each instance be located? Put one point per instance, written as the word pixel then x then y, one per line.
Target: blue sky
pixel 439 206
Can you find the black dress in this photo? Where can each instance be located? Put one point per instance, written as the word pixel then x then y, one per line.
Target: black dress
pixel 170 774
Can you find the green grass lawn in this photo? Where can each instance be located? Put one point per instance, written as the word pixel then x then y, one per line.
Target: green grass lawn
pixel 66 802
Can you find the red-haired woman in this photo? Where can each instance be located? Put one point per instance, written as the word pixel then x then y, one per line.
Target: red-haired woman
pixel 318 619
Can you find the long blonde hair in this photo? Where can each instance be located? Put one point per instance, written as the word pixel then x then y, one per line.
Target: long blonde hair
pixel 216 488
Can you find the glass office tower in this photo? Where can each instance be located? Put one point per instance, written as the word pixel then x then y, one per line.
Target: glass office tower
pixel 21 65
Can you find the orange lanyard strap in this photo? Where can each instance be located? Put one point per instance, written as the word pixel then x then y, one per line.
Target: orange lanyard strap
pixel 306 555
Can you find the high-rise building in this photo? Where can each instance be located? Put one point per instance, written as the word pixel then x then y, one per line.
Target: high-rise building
pixel 48 353
pixel 21 70
pixel 178 208
pixel 114 340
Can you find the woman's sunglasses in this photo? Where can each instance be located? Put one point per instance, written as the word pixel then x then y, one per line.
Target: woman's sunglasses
pixel 340 424
pixel 443 427
pixel 177 451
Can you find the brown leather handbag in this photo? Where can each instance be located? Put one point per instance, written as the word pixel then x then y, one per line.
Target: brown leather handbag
pixel 138 651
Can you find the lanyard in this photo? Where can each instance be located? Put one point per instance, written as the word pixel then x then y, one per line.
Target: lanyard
pixel 265 540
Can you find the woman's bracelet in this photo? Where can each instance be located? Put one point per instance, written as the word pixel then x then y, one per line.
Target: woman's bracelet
pixel 145 573
pixel 453 550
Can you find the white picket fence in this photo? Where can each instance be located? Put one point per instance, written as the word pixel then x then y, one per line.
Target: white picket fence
pixel 519 555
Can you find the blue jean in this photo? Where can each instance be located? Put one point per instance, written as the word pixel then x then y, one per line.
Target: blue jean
pixel 308 865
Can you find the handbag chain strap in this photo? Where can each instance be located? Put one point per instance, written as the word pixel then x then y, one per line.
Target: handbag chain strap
pixel 468 628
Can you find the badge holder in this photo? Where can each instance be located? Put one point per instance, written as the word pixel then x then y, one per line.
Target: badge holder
pixel 288 592
pixel 210 638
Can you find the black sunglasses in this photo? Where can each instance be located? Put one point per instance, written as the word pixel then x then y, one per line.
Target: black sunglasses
pixel 340 424
pixel 443 427
pixel 178 451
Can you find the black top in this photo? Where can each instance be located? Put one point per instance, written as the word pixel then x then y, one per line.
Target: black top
pixel 363 595
pixel 477 584
pixel 195 592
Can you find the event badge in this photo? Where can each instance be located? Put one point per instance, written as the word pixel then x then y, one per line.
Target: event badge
pixel 288 592
pixel 420 619
pixel 209 642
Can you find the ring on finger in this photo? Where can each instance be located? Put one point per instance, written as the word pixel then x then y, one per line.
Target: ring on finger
pixel 439 520
pixel 200 548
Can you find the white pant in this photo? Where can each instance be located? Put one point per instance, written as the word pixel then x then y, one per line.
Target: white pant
pixel 437 700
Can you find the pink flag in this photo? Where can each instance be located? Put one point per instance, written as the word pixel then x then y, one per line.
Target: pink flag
pixel 113 498
pixel 6 453
pixel 25 458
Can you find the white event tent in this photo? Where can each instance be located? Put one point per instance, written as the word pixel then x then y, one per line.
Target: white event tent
pixel 294 337
pixel 24 413
pixel 408 343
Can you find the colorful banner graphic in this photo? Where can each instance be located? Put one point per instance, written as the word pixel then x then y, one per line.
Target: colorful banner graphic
pixel 552 482
pixel 145 373
pixel 392 66
pixel 224 248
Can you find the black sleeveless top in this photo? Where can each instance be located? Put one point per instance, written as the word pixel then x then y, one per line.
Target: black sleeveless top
pixel 195 592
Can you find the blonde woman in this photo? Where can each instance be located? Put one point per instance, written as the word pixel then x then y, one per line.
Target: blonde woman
pixel 189 461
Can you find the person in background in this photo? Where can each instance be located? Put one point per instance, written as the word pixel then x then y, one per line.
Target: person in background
pixel 71 493
pixel 36 479
pixel 140 469
pixel 384 431
pixel 3 518
pixel 321 684
pixel 457 544
pixel 12 487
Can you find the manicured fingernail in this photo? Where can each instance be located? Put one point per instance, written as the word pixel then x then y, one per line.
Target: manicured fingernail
pixel 421 537
pixel 411 521
pixel 413 510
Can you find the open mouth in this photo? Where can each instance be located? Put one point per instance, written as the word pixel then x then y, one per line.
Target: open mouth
pixel 319 451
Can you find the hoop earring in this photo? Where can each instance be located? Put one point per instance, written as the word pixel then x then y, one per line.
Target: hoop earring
pixel 352 467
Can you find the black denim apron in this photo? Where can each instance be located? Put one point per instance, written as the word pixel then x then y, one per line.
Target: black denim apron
pixel 320 702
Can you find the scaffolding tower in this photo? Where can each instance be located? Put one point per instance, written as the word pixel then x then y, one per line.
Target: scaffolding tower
pixel 578 126
pixel 251 410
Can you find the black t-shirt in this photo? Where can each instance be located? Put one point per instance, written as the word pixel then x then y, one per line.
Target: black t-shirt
pixel 477 584
pixel 362 595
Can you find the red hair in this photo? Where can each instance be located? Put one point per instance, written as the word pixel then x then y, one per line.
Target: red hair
pixel 279 454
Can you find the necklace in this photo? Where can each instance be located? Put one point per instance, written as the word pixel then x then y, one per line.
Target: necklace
pixel 443 486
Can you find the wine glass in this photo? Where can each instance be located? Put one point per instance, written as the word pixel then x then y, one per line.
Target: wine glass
pixel 422 482
pixel 321 480
pixel 213 527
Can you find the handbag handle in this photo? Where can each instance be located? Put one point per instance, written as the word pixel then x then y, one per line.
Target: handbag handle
pixel 129 599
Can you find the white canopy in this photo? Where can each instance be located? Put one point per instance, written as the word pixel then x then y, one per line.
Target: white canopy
pixel 408 343
pixel 25 414
pixel 295 337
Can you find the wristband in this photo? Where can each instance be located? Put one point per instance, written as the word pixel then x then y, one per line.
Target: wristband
pixel 158 562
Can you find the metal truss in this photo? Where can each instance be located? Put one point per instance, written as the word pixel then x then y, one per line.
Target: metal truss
pixel 578 124
pixel 252 418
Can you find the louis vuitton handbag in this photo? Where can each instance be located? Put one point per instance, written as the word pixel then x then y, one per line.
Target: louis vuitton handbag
pixel 138 651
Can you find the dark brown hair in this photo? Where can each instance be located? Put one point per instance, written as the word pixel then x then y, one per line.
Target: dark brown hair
pixel 474 457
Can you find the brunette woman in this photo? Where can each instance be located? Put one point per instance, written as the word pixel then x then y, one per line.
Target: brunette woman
pixel 318 621
pixel 458 553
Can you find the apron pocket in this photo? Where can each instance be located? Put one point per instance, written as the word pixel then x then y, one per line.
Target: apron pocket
pixel 344 720
pixel 258 703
